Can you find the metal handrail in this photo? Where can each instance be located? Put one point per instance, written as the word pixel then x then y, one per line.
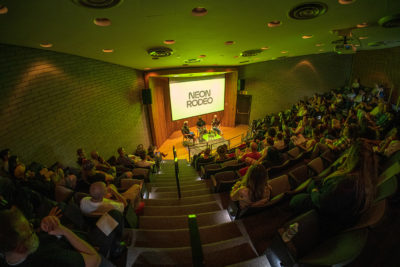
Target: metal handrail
pixel 195 242
pixel 176 172
pixel 207 145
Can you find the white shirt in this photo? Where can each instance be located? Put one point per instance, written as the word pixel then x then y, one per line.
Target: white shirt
pixel 90 207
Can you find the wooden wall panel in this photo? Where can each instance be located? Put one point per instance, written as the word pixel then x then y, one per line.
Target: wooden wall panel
pixel 161 122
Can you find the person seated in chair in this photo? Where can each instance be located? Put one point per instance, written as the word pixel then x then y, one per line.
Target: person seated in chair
pixel 128 161
pixel 186 131
pixel 22 246
pixel 201 126
pixel 101 164
pixel 253 190
pixel 104 198
pixel 215 125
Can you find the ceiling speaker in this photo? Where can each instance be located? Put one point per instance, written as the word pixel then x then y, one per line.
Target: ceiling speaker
pixel 308 10
pixel 251 53
pixel 160 51
pixel 98 4
pixel 192 60
pixel 390 21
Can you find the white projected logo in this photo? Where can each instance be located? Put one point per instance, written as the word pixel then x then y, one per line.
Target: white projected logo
pixel 199 98
pixel 196 96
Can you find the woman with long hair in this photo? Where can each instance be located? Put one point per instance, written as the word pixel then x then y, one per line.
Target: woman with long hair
pixel 253 190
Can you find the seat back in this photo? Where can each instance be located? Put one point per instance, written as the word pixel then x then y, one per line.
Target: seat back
pixel 279 185
pixel 386 188
pixel 316 165
pixel 294 152
pixel 62 193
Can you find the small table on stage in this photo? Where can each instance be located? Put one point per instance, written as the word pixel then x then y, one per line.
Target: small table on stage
pixel 210 136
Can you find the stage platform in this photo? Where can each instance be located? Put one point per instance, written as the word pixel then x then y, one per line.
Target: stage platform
pixel 229 133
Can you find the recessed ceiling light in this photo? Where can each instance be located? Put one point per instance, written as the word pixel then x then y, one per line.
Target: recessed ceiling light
pixel 46 45
pixel 320 44
pixel 202 56
pixel 307 36
pixel 362 25
pixel 363 37
pixel 103 22
pixel 3 9
pixel 229 42
pixel 108 50
pixel 265 48
pixel 235 56
pixel 274 23
pixel 346 2
pixel 169 42
pixel 199 11
pixel 284 52
pixel 177 75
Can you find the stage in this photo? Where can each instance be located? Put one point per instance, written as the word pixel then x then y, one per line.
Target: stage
pixel 233 134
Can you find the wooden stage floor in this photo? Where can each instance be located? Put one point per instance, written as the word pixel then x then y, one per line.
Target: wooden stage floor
pixel 176 140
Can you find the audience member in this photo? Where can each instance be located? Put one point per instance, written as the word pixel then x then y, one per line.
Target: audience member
pixel 253 190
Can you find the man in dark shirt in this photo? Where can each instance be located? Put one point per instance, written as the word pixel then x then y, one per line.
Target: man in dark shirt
pixel 201 126
pixel 21 246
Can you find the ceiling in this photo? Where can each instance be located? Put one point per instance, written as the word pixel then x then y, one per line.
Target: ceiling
pixel 138 25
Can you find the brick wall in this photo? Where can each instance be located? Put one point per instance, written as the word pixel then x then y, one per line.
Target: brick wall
pixel 379 66
pixel 276 85
pixel 53 103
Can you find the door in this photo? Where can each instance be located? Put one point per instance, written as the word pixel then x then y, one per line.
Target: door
pixel 243 107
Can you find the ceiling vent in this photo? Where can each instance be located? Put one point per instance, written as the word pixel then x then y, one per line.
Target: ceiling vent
pixel 192 60
pixel 98 4
pixel 308 10
pixel 390 21
pixel 251 53
pixel 160 51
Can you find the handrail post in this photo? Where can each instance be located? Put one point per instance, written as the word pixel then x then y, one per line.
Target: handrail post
pixel 195 242
pixel 176 172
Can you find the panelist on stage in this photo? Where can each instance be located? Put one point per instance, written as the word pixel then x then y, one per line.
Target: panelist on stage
pixel 215 125
pixel 186 131
pixel 201 126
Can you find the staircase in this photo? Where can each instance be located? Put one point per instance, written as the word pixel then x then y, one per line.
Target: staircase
pixel 163 237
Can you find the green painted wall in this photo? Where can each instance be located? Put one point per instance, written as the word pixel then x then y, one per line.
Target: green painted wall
pixel 379 66
pixel 53 103
pixel 276 85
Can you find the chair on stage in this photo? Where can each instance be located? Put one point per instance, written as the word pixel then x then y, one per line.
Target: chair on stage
pixel 187 137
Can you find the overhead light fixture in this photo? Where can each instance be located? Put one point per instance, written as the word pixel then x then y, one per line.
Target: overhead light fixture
pixel 108 50
pixel 199 11
pixel 307 36
pixel 362 25
pixel 46 45
pixel 202 56
pixel 363 37
pixel 284 52
pixel 102 22
pixel 319 44
pixel 169 42
pixel 229 42
pixel 265 48
pixel 274 23
pixel 346 2
pixel 3 9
